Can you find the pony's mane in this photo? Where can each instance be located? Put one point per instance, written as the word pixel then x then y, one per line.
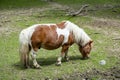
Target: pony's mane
pixel 81 38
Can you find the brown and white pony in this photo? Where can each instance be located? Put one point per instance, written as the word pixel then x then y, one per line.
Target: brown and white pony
pixel 52 36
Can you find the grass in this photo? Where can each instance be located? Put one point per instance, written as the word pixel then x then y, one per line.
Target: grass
pixel 10 68
pixel 6 4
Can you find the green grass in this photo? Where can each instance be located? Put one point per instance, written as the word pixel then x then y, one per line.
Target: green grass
pixel 10 68
pixel 13 4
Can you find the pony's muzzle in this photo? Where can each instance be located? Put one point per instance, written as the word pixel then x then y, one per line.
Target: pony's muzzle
pixel 86 57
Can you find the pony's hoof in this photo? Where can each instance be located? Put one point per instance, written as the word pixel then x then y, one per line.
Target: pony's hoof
pixel 67 59
pixel 26 66
pixel 37 66
pixel 58 64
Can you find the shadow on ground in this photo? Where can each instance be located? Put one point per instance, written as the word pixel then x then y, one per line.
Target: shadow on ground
pixel 46 61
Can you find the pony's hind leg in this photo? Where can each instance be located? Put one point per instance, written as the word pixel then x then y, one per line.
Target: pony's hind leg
pixel 33 55
pixel 66 55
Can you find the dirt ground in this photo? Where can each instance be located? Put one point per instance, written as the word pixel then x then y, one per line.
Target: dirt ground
pixel 95 74
pixel 111 74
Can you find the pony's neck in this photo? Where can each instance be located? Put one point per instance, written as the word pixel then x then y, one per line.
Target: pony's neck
pixel 84 38
pixel 80 36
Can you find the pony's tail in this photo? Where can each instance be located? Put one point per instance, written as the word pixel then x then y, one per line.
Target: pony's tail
pixel 24 50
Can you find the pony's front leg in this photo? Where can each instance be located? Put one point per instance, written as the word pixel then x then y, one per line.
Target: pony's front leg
pixel 33 55
pixel 66 55
pixel 64 52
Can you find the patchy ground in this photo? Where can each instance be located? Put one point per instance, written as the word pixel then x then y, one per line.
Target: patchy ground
pixel 95 74
pixel 7 26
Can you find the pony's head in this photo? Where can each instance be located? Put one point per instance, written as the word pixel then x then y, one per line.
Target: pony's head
pixel 85 50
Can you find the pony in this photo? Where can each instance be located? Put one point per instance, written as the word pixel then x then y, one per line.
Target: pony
pixel 50 37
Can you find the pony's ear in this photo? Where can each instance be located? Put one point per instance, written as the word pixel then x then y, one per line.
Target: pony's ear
pixel 90 43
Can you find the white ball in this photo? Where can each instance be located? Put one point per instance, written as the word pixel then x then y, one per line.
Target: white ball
pixel 102 62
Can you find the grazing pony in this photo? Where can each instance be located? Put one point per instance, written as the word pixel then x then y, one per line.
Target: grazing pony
pixel 52 36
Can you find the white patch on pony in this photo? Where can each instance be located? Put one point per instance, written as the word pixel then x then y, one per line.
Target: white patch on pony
pixel 59 59
pixel 79 34
pixel 63 32
pixel 26 34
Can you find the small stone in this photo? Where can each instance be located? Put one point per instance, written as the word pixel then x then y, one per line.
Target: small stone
pixel 102 62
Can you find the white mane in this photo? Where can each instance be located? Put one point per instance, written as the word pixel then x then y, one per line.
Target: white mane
pixel 79 35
